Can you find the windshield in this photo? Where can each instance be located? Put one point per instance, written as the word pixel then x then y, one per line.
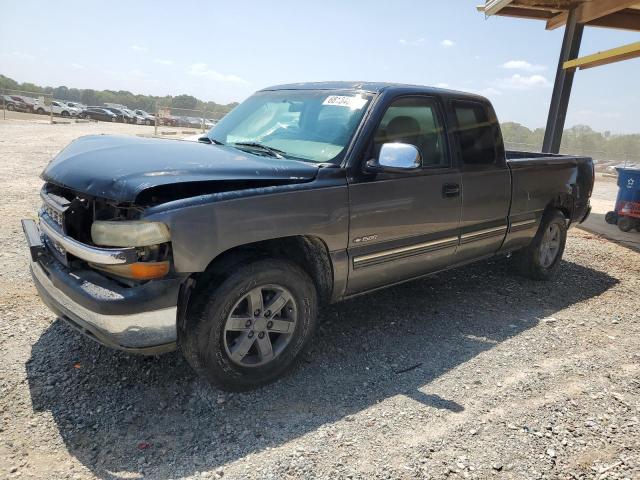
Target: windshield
pixel 312 125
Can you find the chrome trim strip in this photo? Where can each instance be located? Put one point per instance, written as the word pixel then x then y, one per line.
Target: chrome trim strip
pixel 483 232
pixel 102 256
pixel 137 330
pixel 523 222
pixel 407 249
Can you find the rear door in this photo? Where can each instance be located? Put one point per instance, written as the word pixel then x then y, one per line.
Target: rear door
pixel 405 224
pixel 486 180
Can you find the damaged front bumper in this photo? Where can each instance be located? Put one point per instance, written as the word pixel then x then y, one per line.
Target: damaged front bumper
pixel 139 319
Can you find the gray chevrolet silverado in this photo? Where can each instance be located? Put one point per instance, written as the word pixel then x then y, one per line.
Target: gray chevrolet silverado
pixel 304 194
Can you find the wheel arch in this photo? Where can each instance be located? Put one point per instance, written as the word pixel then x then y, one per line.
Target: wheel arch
pixel 564 202
pixel 307 251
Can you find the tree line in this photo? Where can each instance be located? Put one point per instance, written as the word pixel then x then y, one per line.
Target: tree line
pixel 579 140
pixel 147 103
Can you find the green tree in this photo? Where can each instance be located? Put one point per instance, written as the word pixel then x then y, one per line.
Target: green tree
pixel 185 101
pixel 89 97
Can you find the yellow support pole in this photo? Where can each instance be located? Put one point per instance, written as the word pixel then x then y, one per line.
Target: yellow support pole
pixel 625 52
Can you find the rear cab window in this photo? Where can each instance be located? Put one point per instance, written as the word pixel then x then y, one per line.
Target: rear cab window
pixel 478 135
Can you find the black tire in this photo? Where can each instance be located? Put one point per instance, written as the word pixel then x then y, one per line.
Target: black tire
pixel 529 261
pixel 65 113
pixel 625 224
pixel 40 111
pixel 10 107
pixel 147 122
pixel 611 218
pixel 202 339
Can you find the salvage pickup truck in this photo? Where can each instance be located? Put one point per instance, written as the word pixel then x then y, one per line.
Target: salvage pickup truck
pixel 304 194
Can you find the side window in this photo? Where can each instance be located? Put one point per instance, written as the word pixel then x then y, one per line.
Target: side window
pixel 414 120
pixel 476 134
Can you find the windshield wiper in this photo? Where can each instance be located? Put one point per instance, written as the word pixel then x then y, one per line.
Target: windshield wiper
pixel 209 140
pixel 274 152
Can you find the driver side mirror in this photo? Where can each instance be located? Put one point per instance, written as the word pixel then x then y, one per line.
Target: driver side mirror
pixel 396 157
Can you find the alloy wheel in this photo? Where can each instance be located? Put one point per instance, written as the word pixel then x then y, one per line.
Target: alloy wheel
pixel 260 326
pixel 550 245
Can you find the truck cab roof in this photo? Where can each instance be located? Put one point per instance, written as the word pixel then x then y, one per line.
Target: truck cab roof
pixel 377 88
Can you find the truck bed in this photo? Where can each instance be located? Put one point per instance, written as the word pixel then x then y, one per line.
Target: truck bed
pixel 535 175
pixel 548 158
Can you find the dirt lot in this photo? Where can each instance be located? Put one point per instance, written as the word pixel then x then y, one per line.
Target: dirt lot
pixel 475 373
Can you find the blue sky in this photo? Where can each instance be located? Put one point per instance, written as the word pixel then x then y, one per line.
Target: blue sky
pixel 224 51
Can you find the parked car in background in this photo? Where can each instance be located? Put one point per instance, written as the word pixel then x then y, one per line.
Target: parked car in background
pixel 78 105
pixel 122 116
pixel 99 113
pixel 29 101
pixel 64 109
pixel 194 122
pixel 55 107
pixel 14 104
pixel 137 119
pixel 148 118
pixel 169 120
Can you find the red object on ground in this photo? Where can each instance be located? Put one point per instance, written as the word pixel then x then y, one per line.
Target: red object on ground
pixel 628 209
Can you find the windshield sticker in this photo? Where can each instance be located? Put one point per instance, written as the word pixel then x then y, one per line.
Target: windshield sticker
pixel 345 101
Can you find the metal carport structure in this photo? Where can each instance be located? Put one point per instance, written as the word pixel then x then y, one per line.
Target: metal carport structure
pixel 574 15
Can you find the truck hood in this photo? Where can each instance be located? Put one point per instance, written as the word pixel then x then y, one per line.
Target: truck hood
pixel 120 168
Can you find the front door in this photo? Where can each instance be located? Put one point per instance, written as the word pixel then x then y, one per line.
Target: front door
pixel 403 225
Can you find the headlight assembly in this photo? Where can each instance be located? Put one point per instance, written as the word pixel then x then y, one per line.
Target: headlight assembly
pixel 129 233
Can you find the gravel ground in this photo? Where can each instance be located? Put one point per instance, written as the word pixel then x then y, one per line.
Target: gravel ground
pixel 474 373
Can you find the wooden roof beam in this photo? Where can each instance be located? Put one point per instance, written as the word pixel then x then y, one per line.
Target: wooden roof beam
pixel 492 7
pixel 522 12
pixel 625 20
pixel 606 57
pixel 591 10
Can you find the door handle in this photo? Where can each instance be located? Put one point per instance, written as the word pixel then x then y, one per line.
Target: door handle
pixel 450 190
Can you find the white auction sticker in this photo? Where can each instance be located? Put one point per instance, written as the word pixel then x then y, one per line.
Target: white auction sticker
pixel 345 101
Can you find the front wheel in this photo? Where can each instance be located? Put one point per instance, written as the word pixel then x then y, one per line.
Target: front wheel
pixel 10 107
pixel 250 328
pixel 541 258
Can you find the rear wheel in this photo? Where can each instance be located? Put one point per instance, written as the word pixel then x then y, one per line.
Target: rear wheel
pixel 65 113
pixel 40 111
pixel 541 258
pixel 147 122
pixel 11 107
pixel 250 328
